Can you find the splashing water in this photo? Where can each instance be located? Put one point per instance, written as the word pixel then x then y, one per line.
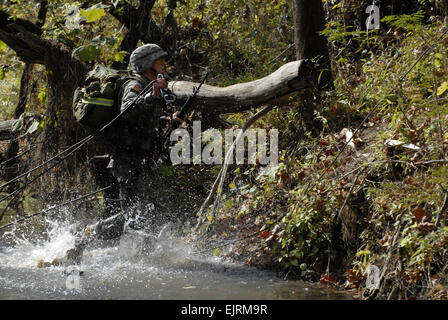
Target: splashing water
pixel 27 254
pixel 140 265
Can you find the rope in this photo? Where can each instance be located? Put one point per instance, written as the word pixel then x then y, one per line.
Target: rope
pixel 70 150
pixel 55 207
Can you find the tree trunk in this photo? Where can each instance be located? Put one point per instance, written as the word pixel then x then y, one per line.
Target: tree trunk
pixel 276 88
pixel 6 130
pixel 309 20
pixel 64 74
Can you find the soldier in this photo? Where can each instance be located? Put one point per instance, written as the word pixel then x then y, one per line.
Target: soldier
pixel 133 143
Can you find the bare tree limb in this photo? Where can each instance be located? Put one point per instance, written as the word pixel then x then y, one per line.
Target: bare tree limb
pixel 443 209
pixel 276 88
pixel 219 182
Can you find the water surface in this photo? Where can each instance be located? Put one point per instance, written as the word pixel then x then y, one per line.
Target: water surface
pixel 130 269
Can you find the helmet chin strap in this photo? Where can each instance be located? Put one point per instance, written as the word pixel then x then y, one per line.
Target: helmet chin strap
pixel 154 72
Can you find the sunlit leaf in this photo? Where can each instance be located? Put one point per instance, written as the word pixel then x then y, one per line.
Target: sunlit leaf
pixel 94 13
pixel 42 96
pixel 86 53
pixel 362 253
pixel 103 40
pixel 2 46
pixel 119 56
pixel 443 87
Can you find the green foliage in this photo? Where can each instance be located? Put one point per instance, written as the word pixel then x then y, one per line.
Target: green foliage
pixel 246 35
pixel 2 46
pixel 94 13
pixel 412 22
pixel 9 88
pixel 86 53
pixel 43 96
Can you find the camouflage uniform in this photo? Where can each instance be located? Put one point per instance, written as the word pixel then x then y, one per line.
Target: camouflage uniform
pixel 133 143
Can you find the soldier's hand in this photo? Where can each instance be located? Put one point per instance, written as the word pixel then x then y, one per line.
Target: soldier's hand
pixel 160 83
pixel 176 118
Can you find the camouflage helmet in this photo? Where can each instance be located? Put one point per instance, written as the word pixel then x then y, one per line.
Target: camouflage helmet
pixel 143 57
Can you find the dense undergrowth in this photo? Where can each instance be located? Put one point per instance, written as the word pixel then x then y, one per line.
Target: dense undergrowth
pixel 329 210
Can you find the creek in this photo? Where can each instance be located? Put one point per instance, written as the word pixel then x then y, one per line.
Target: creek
pixel 129 269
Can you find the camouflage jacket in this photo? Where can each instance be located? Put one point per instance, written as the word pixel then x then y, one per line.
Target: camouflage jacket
pixel 137 131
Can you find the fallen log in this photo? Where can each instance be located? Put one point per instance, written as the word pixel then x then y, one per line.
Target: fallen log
pixel 275 88
pixel 6 132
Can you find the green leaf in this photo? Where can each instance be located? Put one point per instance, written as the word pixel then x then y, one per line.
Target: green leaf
pixel 294 262
pixel 2 73
pixel 404 242
pixel 336 6
pixel 166 171
pixel 42 96
pixel 361 253
pixel 94 13
pixel 86 53
pixel 41 126
pixel 232 185
pixel 443 87
pixel 119 56
pixel 2 46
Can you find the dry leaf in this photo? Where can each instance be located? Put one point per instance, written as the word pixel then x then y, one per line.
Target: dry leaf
pixel 418 213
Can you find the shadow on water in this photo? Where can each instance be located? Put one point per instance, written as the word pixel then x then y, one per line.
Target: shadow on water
pixel 140 266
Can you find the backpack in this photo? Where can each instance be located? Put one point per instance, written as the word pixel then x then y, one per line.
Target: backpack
pixel 96 105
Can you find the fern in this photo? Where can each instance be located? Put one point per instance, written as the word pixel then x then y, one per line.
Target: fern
pixel 411 22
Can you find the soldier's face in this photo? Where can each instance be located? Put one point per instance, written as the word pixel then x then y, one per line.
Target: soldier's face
pixel 159 65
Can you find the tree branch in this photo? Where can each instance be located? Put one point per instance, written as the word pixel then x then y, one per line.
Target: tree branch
pixel 275 88
pixel 6 19
pixel 23 37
